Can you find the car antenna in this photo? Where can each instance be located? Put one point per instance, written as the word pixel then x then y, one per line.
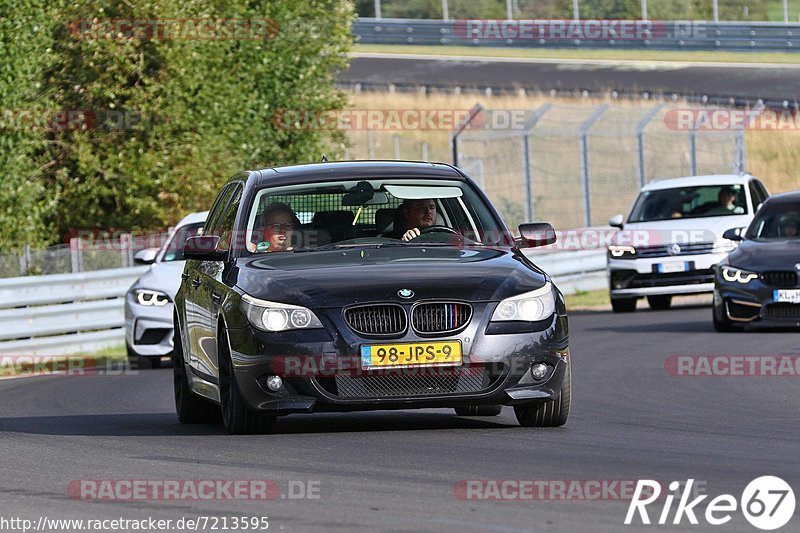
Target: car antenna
pixel 324 158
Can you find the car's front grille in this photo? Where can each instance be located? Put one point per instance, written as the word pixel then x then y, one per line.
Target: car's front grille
pixel 668 250
pixel 412 382
pixel 630 279
pixel 440 317
pixel 378 319
pixel 780 279
pixel 782 311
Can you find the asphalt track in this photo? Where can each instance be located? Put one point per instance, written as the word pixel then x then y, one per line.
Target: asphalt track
pixel 718 81
pixel 396 471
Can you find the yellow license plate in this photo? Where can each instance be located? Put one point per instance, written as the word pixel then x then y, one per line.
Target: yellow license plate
pixel 445 353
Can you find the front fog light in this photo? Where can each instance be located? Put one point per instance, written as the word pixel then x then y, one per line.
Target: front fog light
pixel 539 370
pixel 274 383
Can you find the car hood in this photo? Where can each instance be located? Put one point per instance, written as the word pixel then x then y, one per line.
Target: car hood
pixel 680 230
pixel 760 256
pixel 339 278
pixel 165 277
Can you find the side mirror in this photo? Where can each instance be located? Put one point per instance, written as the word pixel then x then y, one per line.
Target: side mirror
pixel 616 221
pixel 203 248
pixel 734 234
pixel 146 256
pixel 536 234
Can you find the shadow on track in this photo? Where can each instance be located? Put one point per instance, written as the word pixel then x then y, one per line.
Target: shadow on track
pixel 165 424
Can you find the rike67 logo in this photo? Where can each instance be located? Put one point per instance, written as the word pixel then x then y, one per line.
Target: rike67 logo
pixel 767 503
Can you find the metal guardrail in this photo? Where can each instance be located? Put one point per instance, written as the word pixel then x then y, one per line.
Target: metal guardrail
pixel 81 313
pixel 64 313
pixel 663 35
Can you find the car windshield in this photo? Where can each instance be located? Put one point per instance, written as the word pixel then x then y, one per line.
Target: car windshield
pixel 374 212
pixel 689 202
pixel 173 251
pixel 780 220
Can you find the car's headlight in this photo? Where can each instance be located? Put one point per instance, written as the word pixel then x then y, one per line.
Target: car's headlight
pixel 150 298
pixel 732 274
pixel 274 316
pixel 530 306
pixel 618 251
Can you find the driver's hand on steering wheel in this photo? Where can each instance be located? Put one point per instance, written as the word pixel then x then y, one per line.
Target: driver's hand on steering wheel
pixel 413 233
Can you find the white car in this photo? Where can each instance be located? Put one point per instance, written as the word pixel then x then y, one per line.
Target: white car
pixel 672 239
pixel 149 302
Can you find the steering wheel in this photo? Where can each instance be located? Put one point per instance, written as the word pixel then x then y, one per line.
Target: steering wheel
pixel 438 229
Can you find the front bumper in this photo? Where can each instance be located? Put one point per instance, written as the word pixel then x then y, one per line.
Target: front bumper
pixel 148 329
pixel 642 276
pixel 322 373
pixel 753 305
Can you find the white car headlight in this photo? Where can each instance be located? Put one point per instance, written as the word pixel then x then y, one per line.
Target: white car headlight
pixel 274 316
pixel 150 298
pixel 530 306
pixel 732 274
pixel 621 251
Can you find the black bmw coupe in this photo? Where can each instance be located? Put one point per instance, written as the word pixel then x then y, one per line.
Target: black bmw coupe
pixel 365 285
pixel 758 284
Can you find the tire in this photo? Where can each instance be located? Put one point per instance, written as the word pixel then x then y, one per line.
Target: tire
pixel 623 305
pixel 190 408
pixel 553 413
pixel 659 302
pixel 479 410
pixel 722 325
pixel 237 417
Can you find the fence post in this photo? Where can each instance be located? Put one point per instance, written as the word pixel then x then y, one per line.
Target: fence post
pixel 693 151
pixel 370 145
pixel 25 260
pixel 530 208
pixel 640 141
pixel 477 108
pixel 424 151
pixel 586 174
pixel 76 254
pixel 396 144
pixel 740 152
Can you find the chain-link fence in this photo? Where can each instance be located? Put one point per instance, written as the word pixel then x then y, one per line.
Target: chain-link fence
pixel 80 255
pixel 570 165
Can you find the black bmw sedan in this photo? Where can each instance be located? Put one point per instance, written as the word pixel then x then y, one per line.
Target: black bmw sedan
pixel 758 284
pixel 349 286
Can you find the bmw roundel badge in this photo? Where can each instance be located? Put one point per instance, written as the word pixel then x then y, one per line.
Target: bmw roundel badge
pixel 405 293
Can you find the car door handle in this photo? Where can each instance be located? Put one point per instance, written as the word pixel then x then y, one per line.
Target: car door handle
pixel 196 282
pixel 216 298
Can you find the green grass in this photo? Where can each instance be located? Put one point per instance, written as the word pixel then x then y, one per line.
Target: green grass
pixel 587 300
pixel 614 55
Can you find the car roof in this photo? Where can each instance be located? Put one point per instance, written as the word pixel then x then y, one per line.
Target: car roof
pixel 337 170
pixel 788 197
pixel 193 218
pixel 695 181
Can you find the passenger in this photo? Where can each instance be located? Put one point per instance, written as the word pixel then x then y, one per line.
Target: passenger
pixel 278 225
pixel 727 205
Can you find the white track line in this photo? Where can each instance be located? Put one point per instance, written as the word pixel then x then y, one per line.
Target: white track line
pixel 628 63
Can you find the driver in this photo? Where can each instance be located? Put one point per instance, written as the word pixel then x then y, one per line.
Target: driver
pixel 418 214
